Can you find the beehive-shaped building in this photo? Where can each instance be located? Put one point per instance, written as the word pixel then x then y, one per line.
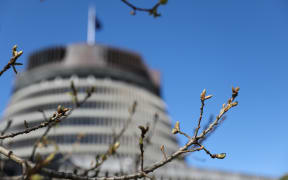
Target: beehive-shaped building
pixel 119 77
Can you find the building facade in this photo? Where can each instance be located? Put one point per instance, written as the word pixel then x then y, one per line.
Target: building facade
pixel 120 77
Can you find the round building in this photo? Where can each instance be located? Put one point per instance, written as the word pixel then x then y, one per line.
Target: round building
pixel 119 79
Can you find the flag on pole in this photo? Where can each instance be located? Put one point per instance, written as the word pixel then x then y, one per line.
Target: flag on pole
pixel 93 25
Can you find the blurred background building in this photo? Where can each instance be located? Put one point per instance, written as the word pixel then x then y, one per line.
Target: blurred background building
pixel 120 77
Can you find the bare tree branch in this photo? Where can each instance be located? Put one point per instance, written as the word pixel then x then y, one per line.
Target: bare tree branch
pixel 12 63
pixel 112 148
pixel 57 116
pixel 77 105
pixel 188 147
pixel 152 11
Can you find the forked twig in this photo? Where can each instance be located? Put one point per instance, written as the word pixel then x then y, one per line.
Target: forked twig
pixel 12 63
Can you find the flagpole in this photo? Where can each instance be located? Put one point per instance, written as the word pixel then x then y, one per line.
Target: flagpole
pixel 91 25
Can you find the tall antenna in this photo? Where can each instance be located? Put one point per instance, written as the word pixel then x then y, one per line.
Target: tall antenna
pixel 91 29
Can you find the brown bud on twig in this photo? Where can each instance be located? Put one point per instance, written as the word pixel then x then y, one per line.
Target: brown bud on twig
pixel 202 95
pixel 14 50
pixel 54 115
pixel 59 109
pixel 208 97
pixel 220 156
pixel 16 54
pixel 62 110
pixel 143 129
pixel 235 92
pixel 234 104
pixel 229 101
pixel 162 148
pixel 176 128
pixel 114 147
pixel 26 124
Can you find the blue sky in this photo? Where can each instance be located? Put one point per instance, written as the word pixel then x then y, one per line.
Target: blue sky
pixel 196 44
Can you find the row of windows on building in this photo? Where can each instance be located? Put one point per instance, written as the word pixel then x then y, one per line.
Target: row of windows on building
pixel 127 61
pixel 86 121
pixel 133 81
pixel 73 138
pixel 70 139
pixel 86 105
pixel 81 89
pixel 97 121
pixel 46 56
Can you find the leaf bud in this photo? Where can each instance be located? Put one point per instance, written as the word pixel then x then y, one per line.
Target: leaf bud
pixel 234 104
pixel 220 156
pixel 26 124
pixel 143 129
pixel 162 148
pixel 176 128
pixel 116 145
pixel 208 97
pixel 203 94
pixel 59 109
pixel 19 53
pixel 235 91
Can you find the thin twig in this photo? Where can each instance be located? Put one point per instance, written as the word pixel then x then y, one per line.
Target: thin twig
pixel 116 138
pixel 144 171
pixel 162 148
pixel 78 104
pixel 151 11
pixel 12 156
pixel 144 130
pixel 225 108
pixel 203 97
pixel 12 63
pixel 9 122
pixel 150 135
pixel 41 138
pixel 200 118
pixel 57 116
pixel 26 131
pixel 186 135
pixel 8 125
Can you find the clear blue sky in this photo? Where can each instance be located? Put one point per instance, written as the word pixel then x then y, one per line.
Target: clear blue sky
pixel 196 44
